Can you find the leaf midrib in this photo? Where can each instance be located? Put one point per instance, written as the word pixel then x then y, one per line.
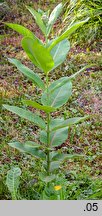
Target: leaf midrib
pixel 56 97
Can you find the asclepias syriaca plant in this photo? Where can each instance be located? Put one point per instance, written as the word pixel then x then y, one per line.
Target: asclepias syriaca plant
pixel 46 56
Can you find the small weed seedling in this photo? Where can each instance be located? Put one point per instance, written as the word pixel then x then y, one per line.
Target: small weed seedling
pixel 12 181
pixel 46 56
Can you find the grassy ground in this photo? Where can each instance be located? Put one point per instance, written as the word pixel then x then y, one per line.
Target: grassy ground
pixel 82 175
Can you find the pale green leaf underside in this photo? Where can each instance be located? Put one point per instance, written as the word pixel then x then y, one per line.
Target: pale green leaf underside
pixel 53 17
pixel 55 156
pixel 73 156
pixel 30 148
pixel 63 80
pixel 46 178
pixel 55 122
pixel 26 115
pixel 36 105
pixel 38 18
pixel 67 123
pixel 54 165
pixel 59 96
pixel 56 137
pixel 67 33
pixel 59 52
pixel 28 72
pixel 12 180
pixel 38 54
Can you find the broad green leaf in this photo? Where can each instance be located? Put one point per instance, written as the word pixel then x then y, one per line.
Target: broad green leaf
pixel 31 144
pixel 30 148
pixel 67 123
pixel 12 180
pixel 57 83
pixel 55 122
pixel 54 165
pixel 63 80
pixel 67 33
pixel 56 137
pixel 24 147
pixel 29 48
pixel 26 115
pixel 34 104
pixel 56 156
pixel 53 17
pixel 38 18
pixel 38 54
pixel 73 156
pixel 61 156
pixel 21 29
pixel 57 97
pixel 59 52
pixel 27 72
pixel 46 178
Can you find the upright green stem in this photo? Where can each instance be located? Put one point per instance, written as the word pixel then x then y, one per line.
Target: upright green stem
pixel 14 196
pixel 48 144
pixel 48 132
pixel 46 40
pixel 48 124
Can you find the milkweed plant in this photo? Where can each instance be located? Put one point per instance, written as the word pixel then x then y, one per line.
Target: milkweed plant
pixel 46 56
